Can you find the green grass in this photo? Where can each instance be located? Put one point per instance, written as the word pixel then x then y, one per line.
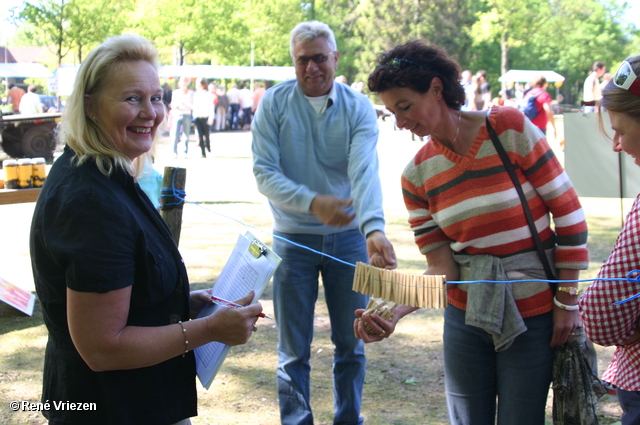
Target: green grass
pixel 404 382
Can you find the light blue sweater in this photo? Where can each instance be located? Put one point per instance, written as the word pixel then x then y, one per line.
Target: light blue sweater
pixel 299 153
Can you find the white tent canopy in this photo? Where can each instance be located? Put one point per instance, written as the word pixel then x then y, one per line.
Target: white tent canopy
pixel 24 70
pixel 66 76
pixel 64 80
pixel 527 76
pixel 273 73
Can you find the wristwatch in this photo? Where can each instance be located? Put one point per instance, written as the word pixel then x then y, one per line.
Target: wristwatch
pixel 569 290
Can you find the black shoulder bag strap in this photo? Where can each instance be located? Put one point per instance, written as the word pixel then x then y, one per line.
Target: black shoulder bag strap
pixel 523 199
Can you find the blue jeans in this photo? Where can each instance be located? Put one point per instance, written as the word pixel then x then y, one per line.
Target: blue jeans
pixel 295 291
pixel 475 374
pixel 179 120
pixel 234 108
pixel 246 115
pixel 630 403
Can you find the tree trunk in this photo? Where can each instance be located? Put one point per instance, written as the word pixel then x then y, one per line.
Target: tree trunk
pixel 416 20
pixel 59 53
pixel 504 55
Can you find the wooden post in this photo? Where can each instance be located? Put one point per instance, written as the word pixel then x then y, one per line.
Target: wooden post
pixel 170 206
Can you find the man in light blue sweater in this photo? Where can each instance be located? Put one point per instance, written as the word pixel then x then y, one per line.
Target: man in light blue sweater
pixel 314 149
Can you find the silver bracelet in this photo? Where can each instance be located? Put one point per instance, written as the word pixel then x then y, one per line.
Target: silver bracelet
pixel 186 341
pixel 564 306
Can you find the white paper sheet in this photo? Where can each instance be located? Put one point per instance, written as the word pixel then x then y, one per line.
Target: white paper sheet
pixel 242 273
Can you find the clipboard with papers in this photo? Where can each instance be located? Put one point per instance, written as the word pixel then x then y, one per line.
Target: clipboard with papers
pixel 249 267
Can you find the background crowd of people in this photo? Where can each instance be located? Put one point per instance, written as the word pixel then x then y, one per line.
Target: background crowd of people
pixel 27 101
pixel 210 108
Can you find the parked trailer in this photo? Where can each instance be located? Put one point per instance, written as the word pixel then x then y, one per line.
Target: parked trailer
pixel 29 136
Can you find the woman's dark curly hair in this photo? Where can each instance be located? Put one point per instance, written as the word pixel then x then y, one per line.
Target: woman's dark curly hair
pixel 415 65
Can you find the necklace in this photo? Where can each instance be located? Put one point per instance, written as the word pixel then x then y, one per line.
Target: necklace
pixel 457 129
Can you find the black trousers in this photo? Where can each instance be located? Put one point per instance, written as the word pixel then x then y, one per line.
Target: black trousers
pixel 203 135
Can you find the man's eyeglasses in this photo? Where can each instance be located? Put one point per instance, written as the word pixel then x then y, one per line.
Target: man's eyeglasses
pixel 626 79
pixel 397 62
pixel 319 58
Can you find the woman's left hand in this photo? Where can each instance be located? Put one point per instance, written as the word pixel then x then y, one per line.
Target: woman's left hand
pixel 565 323
pixel 199 299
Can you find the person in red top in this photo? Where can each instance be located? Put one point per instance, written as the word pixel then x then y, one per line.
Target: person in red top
pixel 258 92
pixel 543 100
pixel 15 96
pixel 604 322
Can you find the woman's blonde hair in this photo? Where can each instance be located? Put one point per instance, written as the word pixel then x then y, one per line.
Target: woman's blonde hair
pixel 89 139
pixel 616 99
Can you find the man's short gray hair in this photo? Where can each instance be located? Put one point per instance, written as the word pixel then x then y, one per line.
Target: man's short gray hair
pixel 310 30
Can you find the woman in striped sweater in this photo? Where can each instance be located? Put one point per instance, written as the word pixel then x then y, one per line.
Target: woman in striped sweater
pixel 468 221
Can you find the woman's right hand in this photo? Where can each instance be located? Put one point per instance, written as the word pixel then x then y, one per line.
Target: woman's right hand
pixel 234 326
pixel 380 327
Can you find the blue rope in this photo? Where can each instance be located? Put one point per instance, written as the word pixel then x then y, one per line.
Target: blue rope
pixel 629 278
pixel 172 192
pixel 181 195
pixel 274 236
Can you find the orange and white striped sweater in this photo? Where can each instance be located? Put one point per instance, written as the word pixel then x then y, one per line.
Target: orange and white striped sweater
pixel 470 203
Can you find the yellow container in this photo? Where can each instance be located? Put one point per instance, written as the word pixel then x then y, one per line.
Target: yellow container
pixel 24 173
pixel 38 172
pixel 11 173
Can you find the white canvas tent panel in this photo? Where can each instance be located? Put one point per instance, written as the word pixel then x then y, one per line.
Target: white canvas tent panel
pixel 67 75
pixel 65 78
pixel 273 73
pixel 527 76
pixel 24 70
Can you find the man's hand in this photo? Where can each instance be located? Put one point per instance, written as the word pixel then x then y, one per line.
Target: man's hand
pixel 331 210
pixel 380 250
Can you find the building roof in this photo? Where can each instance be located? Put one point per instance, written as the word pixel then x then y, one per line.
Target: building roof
pixel 6 56
pixel 24 54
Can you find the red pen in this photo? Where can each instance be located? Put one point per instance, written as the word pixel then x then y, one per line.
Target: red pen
pixel 226 303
